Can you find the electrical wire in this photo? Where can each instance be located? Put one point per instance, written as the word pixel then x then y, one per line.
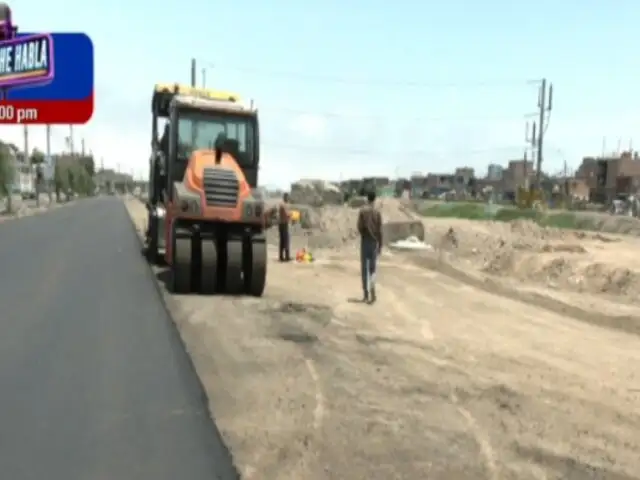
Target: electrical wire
pixel 318 78
pixel 352 151
pixel 366 116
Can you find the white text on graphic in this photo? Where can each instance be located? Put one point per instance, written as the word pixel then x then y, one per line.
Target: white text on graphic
pixel 25 57
pixel 12 114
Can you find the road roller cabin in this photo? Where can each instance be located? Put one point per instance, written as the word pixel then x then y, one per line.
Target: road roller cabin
pixel 203 214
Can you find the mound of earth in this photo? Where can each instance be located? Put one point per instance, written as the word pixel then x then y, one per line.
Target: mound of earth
pixel 316 193
pixel 602 222
pixel 335 226
pixel 524 251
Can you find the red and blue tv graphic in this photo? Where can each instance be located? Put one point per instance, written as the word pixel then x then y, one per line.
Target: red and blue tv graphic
pixel 46 78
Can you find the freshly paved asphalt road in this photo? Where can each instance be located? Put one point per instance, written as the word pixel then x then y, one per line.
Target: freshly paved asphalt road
pixel 94 381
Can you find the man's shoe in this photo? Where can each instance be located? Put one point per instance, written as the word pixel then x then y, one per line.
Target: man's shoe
pixel 373 295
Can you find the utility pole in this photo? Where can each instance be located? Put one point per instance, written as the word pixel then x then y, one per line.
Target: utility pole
pixel 531 139
pixel 193 72
pixel 71 141
pixel 82 147
pixel 545 104
pixel 27 157
pixel 526 170
pixel 50 165
pixel 204 78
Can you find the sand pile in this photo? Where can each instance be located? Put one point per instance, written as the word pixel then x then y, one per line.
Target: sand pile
pixel 334 226
pixel 522 250
pixel 579 273
pixel 316 193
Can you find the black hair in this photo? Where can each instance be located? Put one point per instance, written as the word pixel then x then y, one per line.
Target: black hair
pixel 371 196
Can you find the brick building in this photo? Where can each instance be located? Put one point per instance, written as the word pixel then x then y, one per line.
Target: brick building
pixel 516 173
pixel 603 174
pixel 577 188
pixel 462 176
pixel 439 182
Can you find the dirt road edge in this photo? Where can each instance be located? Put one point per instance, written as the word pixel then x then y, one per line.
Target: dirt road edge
pixel 226 451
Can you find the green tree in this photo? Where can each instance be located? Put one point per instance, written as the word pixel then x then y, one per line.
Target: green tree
pixel 89 164
pixel 13 148
pixel 59 181
pixel 71 180
pixel 84 183
pixel 37 157
pixel 7 173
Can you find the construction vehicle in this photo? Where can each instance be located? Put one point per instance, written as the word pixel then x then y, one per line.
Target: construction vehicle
pixel 204 220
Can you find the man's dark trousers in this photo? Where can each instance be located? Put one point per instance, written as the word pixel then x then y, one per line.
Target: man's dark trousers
pixel 285 254
pixel 368 264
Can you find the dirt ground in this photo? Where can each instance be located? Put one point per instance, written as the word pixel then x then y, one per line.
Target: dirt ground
pixel 444 378
pixel 605 265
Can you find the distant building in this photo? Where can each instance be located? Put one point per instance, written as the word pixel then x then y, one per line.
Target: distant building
pixel 605 176
pixel 418 180
pixel 578 189
pixel 109 176
pixel 462 177
pixel 437 183
pixel 494 172
pixel 516 174
pixel 601 172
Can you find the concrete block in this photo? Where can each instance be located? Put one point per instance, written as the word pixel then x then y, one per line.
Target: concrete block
pixel 395 231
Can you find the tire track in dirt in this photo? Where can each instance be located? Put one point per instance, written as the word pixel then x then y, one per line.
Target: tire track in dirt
pixel 291 321
pixel 480 436
pixel 470 325
pixel 319 411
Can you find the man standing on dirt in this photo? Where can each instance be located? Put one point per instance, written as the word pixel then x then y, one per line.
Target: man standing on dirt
pixel 370 229
pixel 283 229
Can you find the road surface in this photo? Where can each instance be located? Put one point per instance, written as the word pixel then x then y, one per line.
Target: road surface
pixel 94 381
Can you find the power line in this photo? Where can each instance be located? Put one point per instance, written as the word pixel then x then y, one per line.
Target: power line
pixel 462 117
pixel 489 83
pixel 367 116
pixel 344 150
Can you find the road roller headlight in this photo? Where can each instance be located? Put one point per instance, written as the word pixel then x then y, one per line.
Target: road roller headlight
pixel 189 206
pixel 248 210
pixel 187 201
pixel 253 210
